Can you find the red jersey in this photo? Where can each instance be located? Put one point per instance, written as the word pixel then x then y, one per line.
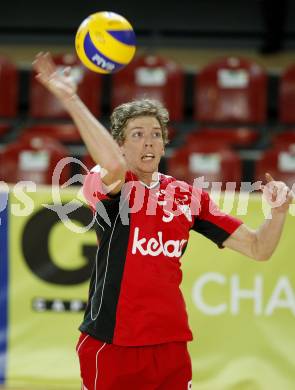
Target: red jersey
pixel 134 296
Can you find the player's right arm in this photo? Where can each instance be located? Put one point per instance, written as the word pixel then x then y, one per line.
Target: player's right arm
pixel 100 144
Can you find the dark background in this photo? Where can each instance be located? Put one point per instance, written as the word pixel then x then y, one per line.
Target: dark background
pixel 202 23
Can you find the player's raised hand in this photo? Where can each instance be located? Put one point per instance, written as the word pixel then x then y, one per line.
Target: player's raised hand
pixel 277 194
pixel 60 83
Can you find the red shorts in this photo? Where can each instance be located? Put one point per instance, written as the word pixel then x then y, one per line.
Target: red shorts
pixel 112 367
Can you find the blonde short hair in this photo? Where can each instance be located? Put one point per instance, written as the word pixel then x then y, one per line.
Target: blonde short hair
pixel 134 109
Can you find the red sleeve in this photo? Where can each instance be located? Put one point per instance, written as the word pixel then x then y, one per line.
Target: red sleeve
pixel 213 223
pixel 93 188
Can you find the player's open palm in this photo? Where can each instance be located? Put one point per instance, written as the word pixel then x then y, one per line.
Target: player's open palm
pixel 60 83
pixel 277 194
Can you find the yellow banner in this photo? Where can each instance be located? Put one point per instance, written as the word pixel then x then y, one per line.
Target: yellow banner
pixel 49 275
pixel 241 311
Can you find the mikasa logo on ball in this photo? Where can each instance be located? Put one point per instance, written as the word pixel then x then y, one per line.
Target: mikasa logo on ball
pixel 102 62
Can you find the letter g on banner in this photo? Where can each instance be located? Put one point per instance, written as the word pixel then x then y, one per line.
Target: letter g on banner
pixel 35 247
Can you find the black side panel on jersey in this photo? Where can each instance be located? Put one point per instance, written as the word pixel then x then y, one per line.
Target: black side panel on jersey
pixel 105 284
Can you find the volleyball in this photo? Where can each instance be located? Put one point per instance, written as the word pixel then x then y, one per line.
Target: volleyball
pixel 105 42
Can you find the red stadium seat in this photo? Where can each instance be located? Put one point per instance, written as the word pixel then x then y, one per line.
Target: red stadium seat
pixel 287 96
pixel 151 77
pixel 172 132
pixel 9 88
pixel 231 137
pixel 286 137
pixel 63 132
pixel 34 159
pixel 4 128
pixel 211 160
pixel 88 161
pixel 279 162
pixel 42 104
pixel 231 90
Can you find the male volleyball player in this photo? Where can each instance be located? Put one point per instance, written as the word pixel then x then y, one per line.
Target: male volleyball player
pixel 135 330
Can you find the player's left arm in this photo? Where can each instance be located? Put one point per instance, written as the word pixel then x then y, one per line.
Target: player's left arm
pixel 260 244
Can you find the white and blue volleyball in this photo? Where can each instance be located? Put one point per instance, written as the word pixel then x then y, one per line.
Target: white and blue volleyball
pixel 105 42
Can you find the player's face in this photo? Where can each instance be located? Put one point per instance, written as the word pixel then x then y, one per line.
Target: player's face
pixel 143 146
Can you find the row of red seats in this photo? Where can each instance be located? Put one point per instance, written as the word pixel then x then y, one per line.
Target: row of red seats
pixel 34 157
pixel 228 90
pixel 209 153
pixel 239 137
